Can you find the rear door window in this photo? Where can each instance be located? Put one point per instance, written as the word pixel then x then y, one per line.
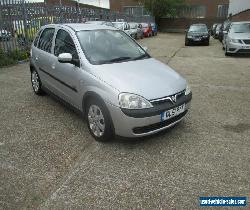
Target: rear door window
pixel 45 41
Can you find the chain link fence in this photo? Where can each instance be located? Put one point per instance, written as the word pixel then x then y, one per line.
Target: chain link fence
pixel 20 20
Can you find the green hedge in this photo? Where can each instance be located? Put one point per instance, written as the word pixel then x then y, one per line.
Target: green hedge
pixel 12 57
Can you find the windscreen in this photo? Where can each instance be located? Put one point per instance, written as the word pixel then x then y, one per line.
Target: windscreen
pixel 109 46
pixel 241 28
pixel 197 28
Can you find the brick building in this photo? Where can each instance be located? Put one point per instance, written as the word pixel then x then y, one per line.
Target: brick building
pixel 194 11
pixel 131 7
pixel 193 8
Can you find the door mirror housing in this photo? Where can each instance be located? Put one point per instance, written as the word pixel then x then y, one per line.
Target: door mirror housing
pixel 225 32
pixel 145 48
pixel 67 58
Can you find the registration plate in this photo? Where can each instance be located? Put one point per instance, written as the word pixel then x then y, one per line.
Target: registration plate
pixel 246 47
pixel 172 112
pixel 197 39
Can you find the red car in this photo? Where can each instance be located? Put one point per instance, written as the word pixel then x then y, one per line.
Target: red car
pixel 147 29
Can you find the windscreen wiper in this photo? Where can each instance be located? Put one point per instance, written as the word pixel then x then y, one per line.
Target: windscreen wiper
pixel 141 57
pixel 118 59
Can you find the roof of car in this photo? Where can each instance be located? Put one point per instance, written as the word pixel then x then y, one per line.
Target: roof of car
pixel 84 27
pixel 241 22
pixel 199 24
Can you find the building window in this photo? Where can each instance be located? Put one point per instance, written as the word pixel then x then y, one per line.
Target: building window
pixel 193 11
pixel 222 11
pixel 136 10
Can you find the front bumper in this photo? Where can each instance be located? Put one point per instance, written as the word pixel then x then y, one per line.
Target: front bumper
pixel 238 48
pixel 198 40
pixel 128 126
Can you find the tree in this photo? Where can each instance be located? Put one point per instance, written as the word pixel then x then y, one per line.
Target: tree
pixel 162 8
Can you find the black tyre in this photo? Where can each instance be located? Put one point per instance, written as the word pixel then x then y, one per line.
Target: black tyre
pixel 99 120
pixel 36 83
pixel 187 43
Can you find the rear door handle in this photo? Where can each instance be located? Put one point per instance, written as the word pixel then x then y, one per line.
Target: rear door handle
pixel 53 66
pixel 36 58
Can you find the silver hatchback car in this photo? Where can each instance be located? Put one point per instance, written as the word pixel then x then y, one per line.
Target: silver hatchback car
pixel 110 78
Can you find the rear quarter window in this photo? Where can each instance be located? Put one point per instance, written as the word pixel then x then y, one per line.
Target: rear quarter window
pixel 37 38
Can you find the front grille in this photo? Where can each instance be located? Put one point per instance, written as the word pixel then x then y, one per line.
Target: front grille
pixel 164 100
pixel 247 41
pixel 244 51
pixel 153 127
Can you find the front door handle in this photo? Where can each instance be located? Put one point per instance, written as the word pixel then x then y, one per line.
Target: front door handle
pixel 53 66
pixel 36 58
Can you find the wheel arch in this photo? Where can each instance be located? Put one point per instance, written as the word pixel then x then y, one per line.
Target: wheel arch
pixel 93 95
pixel 90 95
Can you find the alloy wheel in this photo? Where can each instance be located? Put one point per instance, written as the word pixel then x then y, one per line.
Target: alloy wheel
pixel 96 121
pixel 35 81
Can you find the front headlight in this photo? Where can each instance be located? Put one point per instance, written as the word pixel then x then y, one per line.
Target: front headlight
pixel 188 90
pixel 235 40
pixel 205 36
pixel 189 37
pixel 132 101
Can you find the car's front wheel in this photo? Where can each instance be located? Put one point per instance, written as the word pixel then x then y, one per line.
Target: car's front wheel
pixel 36 83
pixel 99 121
pixel 226 51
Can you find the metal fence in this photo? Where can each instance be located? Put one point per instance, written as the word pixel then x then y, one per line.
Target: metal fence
pixel 20 20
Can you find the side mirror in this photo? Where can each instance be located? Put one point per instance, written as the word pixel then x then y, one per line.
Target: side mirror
pixel 145 48
pixel 67 58
pixel 225 32
pixel 186 30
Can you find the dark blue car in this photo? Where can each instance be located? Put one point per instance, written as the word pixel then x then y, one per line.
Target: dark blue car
pixel 154 29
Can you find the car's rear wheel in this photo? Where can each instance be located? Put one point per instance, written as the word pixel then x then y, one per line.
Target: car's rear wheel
pixel 36 83
pixel 187 43
pixel 99 121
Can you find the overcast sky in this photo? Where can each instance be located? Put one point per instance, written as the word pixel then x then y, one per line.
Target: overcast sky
pixel 103 3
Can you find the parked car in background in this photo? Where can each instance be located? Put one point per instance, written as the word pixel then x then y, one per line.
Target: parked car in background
pixel 237 39
pixel 154 29
pixel 133 30
pixel 213 29
pixel 197 34
pixel 225 26
pixel 217 31
pixel 99 70
pixel 107 23
pixel 124 26
pixel 5 35
pixel 147 29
